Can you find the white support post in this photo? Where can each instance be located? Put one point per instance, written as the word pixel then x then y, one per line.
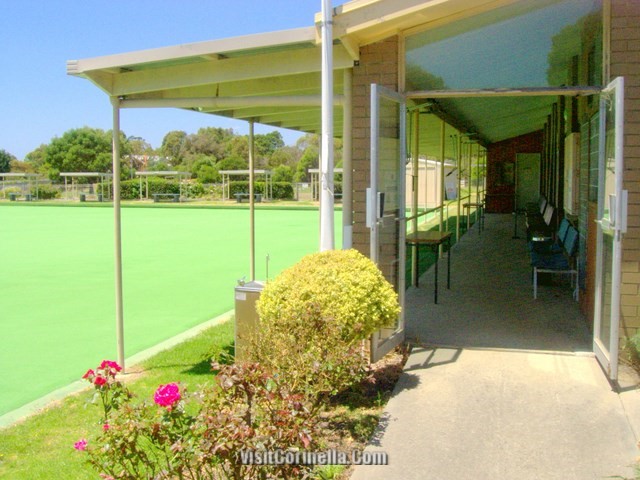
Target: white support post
pixel 458 144
pixel 347 174
pixel 117 231
pixel 415 177
pixel 443 127
pixel 252 231
pixel 326 170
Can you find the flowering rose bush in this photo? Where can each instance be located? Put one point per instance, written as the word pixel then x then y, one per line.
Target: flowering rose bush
pixel 247 409
pixel 109 389
pixel 167 395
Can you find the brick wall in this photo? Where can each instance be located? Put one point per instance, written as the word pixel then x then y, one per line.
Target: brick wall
pixel 378 64
pixel 501 196
pixel 625 61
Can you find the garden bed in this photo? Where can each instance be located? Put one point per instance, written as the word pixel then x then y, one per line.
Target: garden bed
pixel 43 443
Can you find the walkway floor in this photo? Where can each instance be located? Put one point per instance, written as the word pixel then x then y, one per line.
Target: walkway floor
pixel 501 386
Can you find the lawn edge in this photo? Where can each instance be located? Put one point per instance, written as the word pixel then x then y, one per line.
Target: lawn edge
pixel 9 419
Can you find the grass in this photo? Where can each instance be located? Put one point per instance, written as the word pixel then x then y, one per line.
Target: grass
pixel 41 447
pixel 180 266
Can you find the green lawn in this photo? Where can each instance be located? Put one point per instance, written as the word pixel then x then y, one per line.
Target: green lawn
pixel 41 448
pixel 180 266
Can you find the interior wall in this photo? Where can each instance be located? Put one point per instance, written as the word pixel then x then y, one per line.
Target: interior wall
pixel 501 167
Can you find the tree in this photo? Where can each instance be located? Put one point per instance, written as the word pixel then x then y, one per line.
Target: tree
pixel 174 146
pixel 5 161
pixel 289 156
pixel 21 167
pixel 269 143
pixel 238 146
pixel 36 157
pixel 82 150
pixel 232 163
pixel 283 173
pixel 309 159
pixel 209 141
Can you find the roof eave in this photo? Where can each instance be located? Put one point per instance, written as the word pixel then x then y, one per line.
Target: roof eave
pixel 207 49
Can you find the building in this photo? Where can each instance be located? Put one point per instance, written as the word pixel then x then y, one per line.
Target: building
pixel 547 90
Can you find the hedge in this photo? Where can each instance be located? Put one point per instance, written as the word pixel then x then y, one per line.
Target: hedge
pixel 130 189
pixel 281 190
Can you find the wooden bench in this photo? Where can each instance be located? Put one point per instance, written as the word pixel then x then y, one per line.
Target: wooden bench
pixel 172 197
pixel 240 197
pixel 558 257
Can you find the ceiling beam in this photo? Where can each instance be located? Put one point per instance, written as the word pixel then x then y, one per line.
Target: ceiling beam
pixel 229 70
pixel 226 103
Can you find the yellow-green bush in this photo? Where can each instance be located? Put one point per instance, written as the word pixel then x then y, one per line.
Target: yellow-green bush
pixel 313 317
pixel 344 284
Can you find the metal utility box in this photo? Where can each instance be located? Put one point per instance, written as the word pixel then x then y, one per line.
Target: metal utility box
pixel 246 296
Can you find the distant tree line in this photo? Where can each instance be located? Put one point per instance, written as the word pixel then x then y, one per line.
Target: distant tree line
pixel 204 154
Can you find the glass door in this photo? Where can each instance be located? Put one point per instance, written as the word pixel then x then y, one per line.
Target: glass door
pixel 386 203
pixel 612 218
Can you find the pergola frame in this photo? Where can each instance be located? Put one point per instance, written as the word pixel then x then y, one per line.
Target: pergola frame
pixel 226 181
pixel 315 180
pixel 160 173
pixel 28 176
pixel 73 175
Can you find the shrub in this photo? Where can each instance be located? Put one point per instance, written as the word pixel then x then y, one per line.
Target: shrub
pixel 345 285
pixel 313 317
pixel 210 434
pixel 46 192
pixel 8 190
pixel 632 349
pixel 281 190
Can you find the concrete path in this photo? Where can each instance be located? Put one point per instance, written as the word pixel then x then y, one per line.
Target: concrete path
pixel 502 386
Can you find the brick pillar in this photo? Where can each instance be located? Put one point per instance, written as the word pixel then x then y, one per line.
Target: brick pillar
pixel 378 64
pixel 625 61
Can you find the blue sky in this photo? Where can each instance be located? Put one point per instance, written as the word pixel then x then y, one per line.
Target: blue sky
pixel 39 101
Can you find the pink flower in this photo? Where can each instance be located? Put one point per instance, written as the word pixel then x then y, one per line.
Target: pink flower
pixel 90 374
pixel 106 427
pixel 167 395
pixel 80 445
pixel 99 381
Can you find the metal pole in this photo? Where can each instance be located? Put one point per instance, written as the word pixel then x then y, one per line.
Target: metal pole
pixel 442 154
pixel 252 231
pixel 459 165
pixel 414 197
pixel 347 177
pixel 326 191
pixel 117 230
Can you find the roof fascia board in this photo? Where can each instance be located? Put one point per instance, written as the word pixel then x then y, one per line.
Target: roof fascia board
pixel 200 49
pixel 228 70
pixel 369 21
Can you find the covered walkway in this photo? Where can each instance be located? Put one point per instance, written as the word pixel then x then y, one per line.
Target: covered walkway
pixel 498 385
pixel 491 303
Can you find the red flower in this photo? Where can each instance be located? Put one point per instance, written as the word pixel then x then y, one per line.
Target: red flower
pixel 110 367
pixel 99 381
pixel 167 395
pixel 106 427
pixel 90 374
